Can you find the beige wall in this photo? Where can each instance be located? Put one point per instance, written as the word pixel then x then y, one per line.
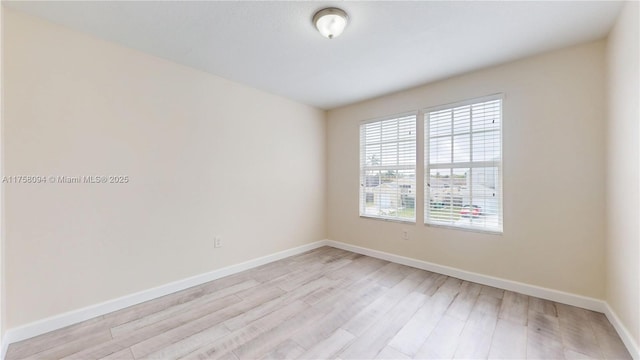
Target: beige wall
pixel 81 106
pixel 553 174
pixel 205 156
pixel 623 165
pixel 2 279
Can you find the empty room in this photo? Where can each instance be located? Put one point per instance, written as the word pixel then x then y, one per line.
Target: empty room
pixel 320 180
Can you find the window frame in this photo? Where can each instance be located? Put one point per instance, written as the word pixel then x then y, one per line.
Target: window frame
pixel 469 164
pixel 362 168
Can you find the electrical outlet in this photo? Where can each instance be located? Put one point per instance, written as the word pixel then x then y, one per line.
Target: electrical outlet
pixel 405 234
pixel 217 242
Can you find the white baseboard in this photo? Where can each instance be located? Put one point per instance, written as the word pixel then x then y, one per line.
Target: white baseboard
pixel 531 290
pixel 59 321
pixel 626 337
pixel 72 317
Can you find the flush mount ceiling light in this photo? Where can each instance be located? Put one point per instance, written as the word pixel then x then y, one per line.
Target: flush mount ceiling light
pixel 330 22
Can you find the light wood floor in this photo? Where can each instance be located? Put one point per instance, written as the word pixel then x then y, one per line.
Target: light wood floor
pixel 330 303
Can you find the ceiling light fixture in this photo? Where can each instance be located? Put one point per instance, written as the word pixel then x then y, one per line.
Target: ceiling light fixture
pixel 331 22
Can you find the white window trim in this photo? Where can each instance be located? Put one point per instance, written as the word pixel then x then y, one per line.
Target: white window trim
pixel 417 115
pixel 425 149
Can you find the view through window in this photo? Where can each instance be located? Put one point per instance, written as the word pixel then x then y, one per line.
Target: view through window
pixel 463 160
pixel 388 168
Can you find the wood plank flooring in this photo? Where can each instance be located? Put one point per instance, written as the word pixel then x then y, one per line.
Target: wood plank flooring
pixel 329 303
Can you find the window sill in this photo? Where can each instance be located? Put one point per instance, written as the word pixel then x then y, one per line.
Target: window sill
pixel 464 228
pixel 388 219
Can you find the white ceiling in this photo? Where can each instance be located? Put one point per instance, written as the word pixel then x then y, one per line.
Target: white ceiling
pixel 388 46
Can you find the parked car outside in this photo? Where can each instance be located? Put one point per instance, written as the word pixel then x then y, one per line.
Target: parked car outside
pixel 471 211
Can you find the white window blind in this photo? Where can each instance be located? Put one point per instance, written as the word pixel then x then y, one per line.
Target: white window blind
pixel 463 165
pixel 388 168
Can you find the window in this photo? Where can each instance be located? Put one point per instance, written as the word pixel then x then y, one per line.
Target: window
pixel 463 165
pixel 388 168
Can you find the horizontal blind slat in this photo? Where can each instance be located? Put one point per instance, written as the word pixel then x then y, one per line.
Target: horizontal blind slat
pixel 388 162
pixel 463 154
